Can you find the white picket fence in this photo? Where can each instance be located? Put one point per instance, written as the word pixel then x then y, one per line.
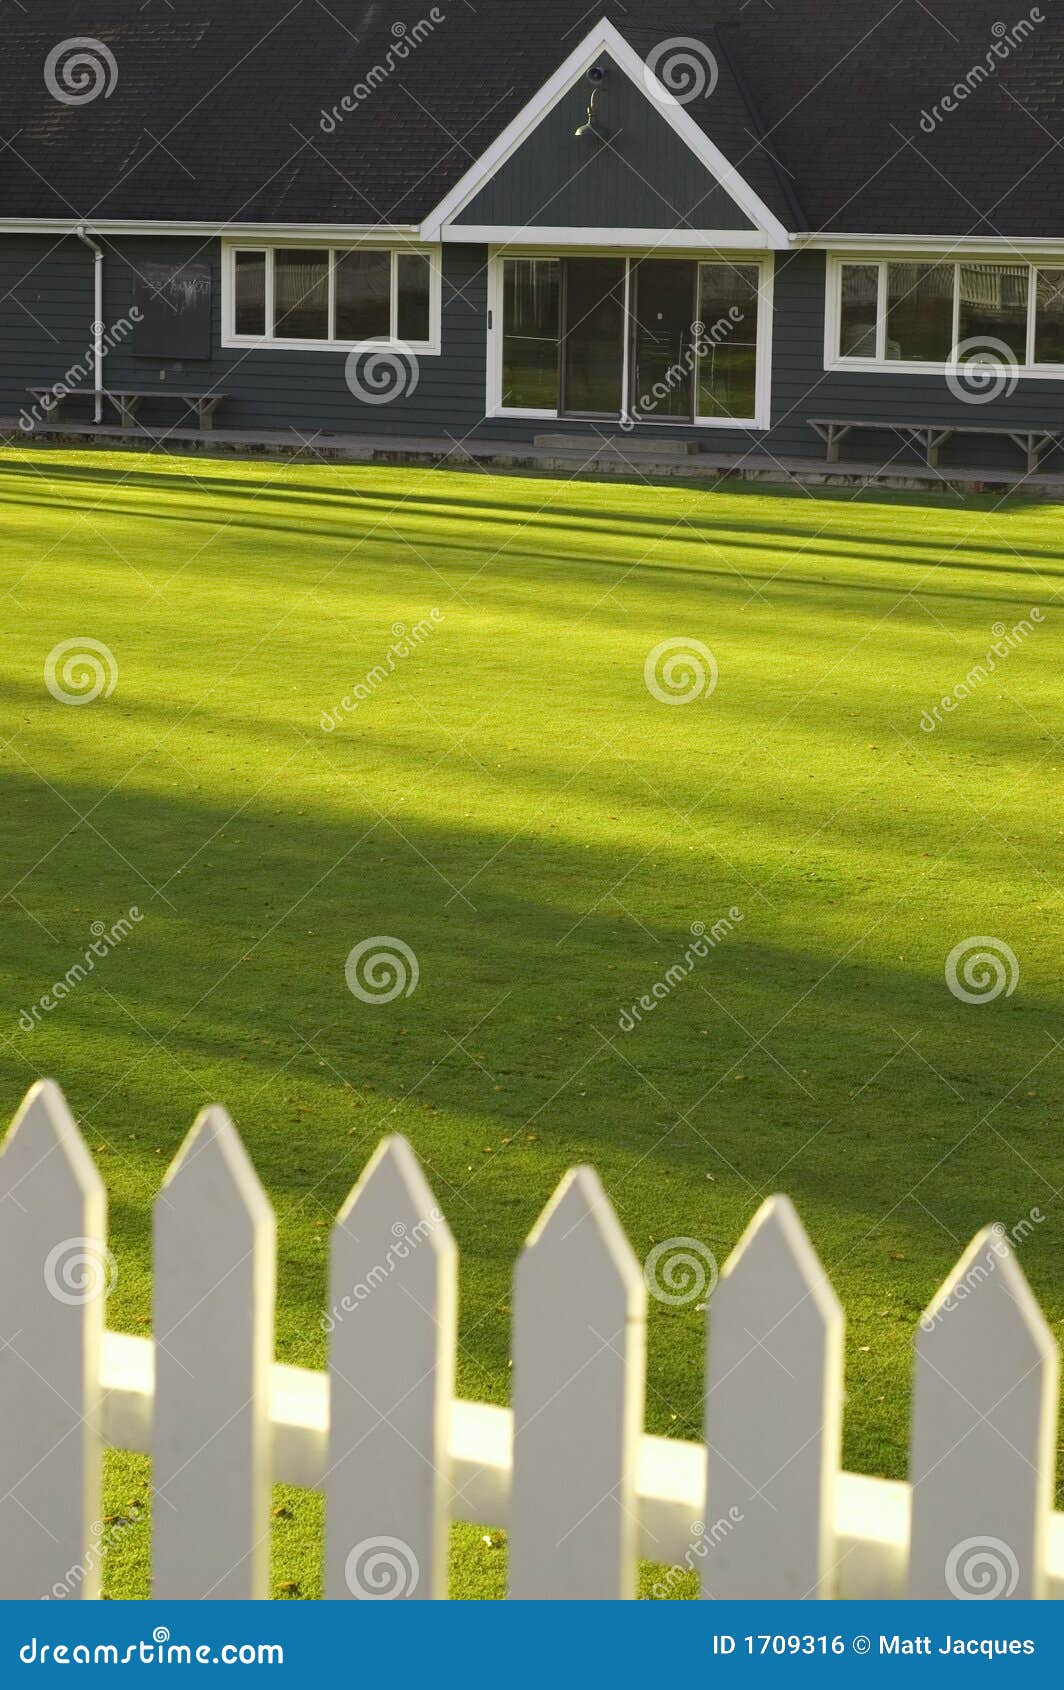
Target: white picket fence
pixel 760 1510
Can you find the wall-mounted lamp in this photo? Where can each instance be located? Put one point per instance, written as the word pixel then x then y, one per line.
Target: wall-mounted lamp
pixel 596 76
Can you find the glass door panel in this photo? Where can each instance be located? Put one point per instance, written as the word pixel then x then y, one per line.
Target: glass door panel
pixel 664 308
pixel 593 336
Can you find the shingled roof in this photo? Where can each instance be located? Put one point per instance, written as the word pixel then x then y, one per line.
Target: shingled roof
pixel 827 107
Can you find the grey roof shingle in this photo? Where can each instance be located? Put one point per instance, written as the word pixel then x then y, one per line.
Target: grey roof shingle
pixel 216 114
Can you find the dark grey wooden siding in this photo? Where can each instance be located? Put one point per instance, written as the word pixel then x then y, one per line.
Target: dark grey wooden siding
pixel 46 313
pixel 645 178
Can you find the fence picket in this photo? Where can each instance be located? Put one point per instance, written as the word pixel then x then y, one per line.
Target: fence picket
pixel 54 1275
pixel 579 1358
pixel 393 1310
pixel 773 1417
pixel 213 1323
pixel 983 1433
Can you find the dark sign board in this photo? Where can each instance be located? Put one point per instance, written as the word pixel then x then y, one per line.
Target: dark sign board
pixel 174 301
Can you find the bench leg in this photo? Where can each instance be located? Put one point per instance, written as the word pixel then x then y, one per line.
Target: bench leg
pixel 836 436
pixel 205 409
pixel 126 408
pixel 1034 445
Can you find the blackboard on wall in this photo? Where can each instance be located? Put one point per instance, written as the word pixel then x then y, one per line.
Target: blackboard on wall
pixel 174 301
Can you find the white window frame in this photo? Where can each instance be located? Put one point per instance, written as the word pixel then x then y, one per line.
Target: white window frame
pixel 332 250
pixel 766 268
pixel 881 364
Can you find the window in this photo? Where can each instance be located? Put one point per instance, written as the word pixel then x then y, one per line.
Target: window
pixel 1049 318
pixel 301 294
pixel 250 293
pixel 859 311
pixel 920 312
pixel 727 360
pixel 936 314
pixel 363 295
pixel 318 295
pixel 414 285
pixel 993 307
pixel 531 334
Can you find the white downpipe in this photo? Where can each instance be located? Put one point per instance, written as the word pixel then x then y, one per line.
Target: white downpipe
pixel 97 317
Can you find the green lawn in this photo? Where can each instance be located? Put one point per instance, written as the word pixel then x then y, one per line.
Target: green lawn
pixel 515 805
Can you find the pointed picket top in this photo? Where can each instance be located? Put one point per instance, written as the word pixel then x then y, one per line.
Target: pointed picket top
pixel 45 1128
pixel 393 1191
pixel 579 1358
pixel 983 1434
pixel 991 1253
pixel 213 1289
pixel 392 1324
pixel 212 1159
pixel 55 1274
pixel 776 1238
pixel 773 1416
pixel 580 1210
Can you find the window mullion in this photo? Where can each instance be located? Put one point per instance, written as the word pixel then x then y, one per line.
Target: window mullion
pixel 393 304
pixel 955 349
pixel 881 312
pixel 1032 312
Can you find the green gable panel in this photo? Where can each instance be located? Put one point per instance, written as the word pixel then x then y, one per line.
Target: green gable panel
pixel 641 176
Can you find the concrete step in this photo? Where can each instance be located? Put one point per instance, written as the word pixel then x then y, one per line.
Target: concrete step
pixel 630 445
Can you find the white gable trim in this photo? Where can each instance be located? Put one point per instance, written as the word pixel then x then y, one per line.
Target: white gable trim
pixel 550 238
pixel 604 38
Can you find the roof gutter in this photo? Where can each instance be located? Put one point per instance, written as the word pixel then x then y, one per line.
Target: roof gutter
pixel 97 317
pixel 208 231
pixel 1020 245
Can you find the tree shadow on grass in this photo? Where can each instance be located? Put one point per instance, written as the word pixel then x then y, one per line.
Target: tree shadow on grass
pixel 514 1031
pixel 568 512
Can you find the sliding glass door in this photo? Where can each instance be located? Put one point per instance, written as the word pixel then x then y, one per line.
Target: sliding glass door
pixel 653 340
pixel 593 314
pixel 663 358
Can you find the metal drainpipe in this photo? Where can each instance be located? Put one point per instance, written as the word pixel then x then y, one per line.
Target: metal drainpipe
pixel 97 320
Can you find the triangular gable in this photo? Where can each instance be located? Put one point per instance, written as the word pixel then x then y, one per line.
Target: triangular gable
pixel 654 173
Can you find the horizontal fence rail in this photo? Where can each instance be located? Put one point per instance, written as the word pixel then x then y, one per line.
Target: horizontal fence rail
pixel 759 1510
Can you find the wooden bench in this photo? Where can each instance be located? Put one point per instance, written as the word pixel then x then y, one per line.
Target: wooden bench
pixel 931 437
pixel 127 402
